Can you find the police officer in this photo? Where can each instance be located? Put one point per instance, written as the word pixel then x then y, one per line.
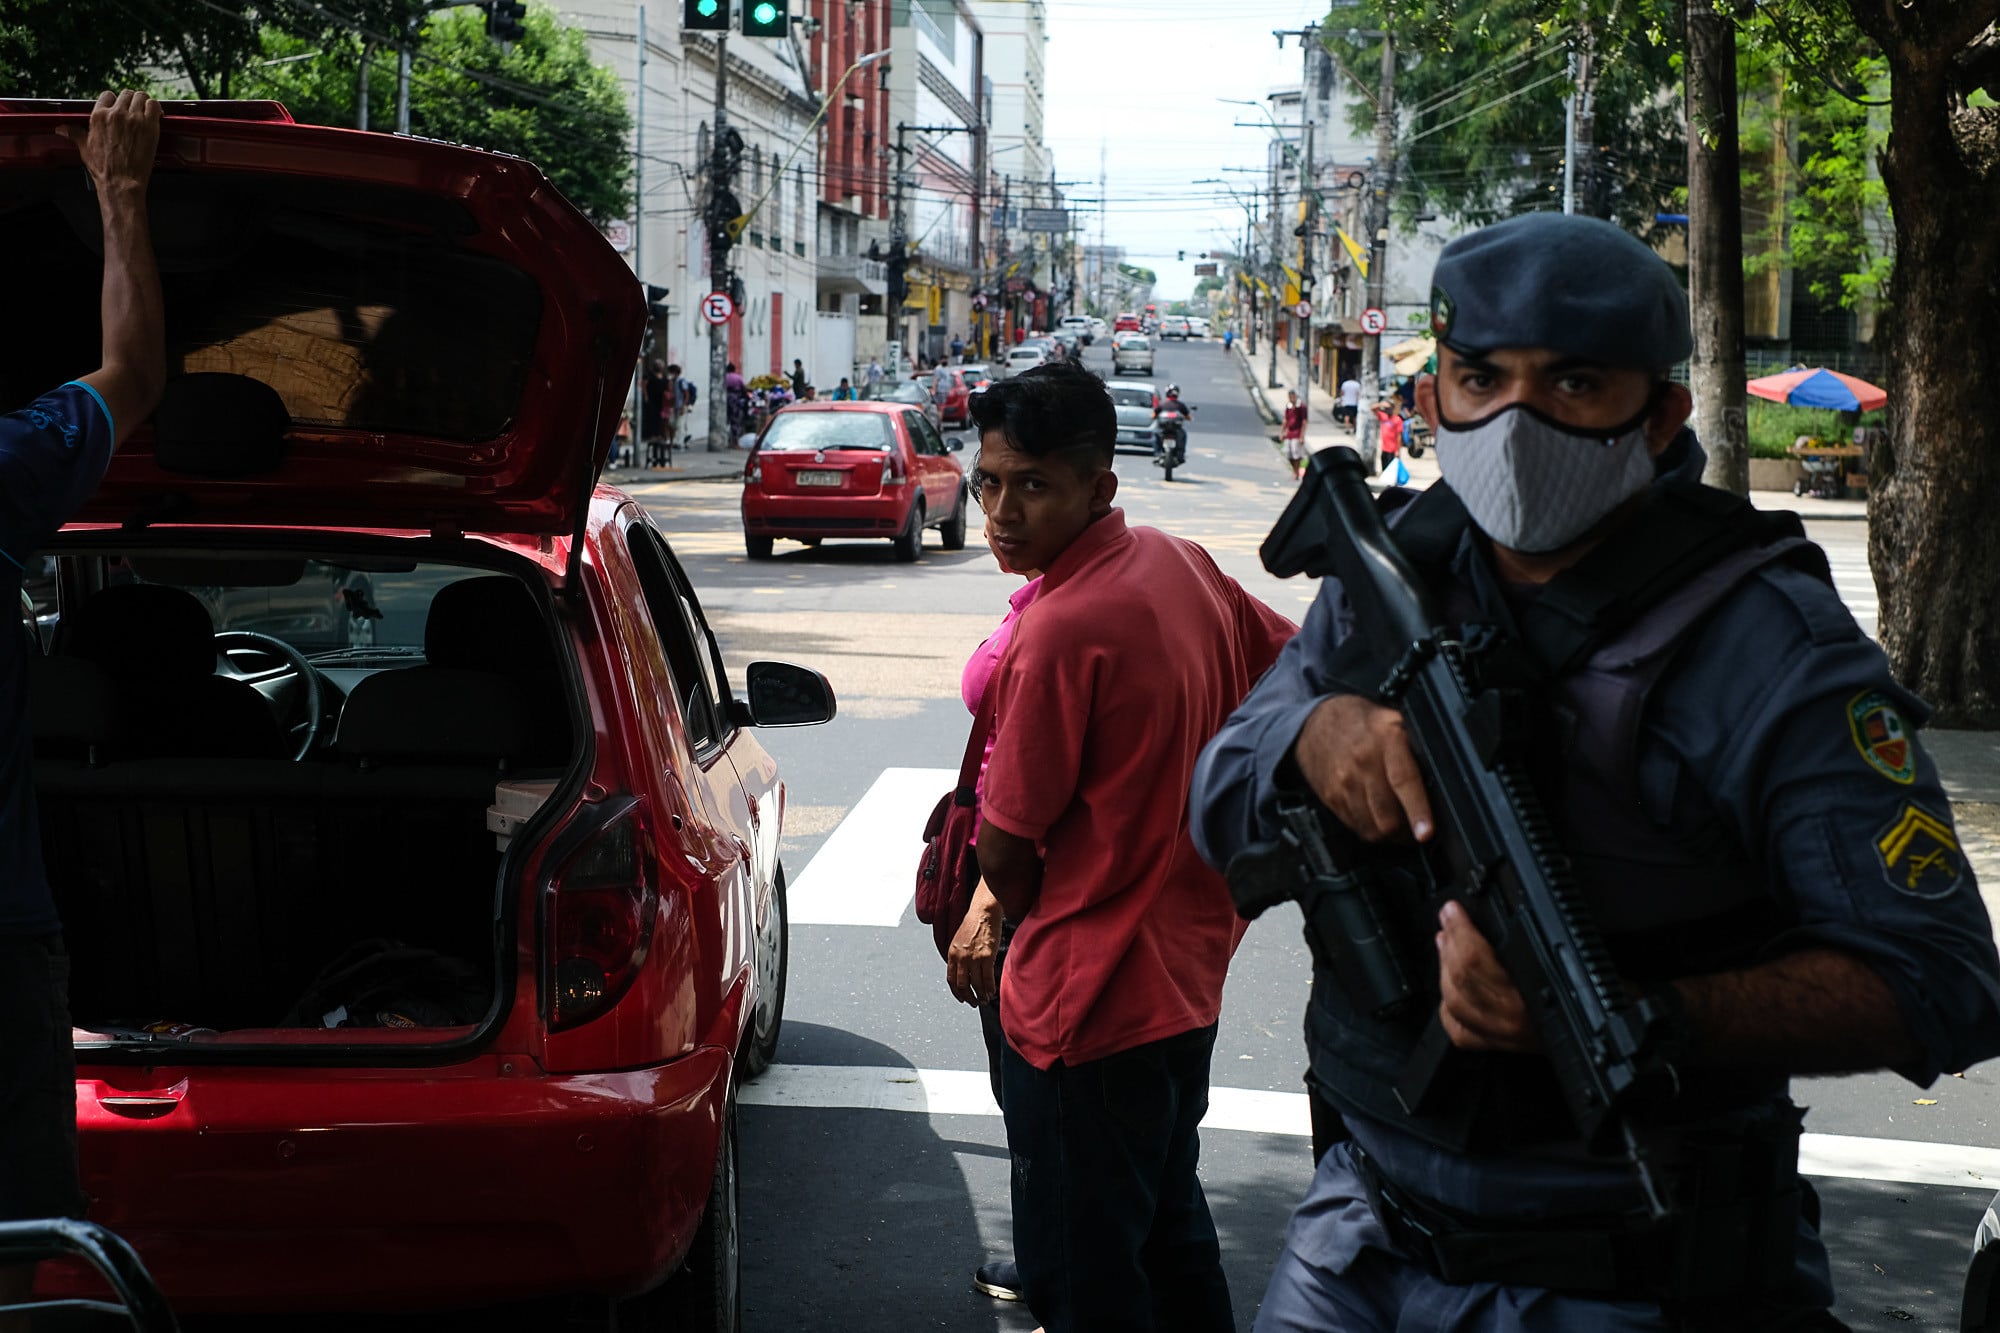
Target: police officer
pixel 1738 784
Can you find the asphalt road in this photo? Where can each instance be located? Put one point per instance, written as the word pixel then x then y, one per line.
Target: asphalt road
pixel 874 1163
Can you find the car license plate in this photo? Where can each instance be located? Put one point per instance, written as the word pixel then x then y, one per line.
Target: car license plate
pixel 811 478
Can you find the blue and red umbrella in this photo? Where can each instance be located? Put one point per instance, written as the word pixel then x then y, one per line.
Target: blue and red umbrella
pixel 1820 388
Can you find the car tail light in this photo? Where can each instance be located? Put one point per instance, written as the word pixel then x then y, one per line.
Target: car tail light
pixel 753 471
pixel 898 471
pixel 599 919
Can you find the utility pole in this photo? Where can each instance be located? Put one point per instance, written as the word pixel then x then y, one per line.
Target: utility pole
pixel 403 74
pixel 1715 248
pixel 639 222
pixel 1308 217
pixel 1579 122
pixel 1381 183
pixel 361 92
pixel 898 286
pixel 722 208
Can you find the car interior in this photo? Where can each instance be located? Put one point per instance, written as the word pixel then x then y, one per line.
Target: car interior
pixel 228 808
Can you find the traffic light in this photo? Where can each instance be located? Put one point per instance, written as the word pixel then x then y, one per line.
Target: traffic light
pixel 705 15
pixel 504 20
pixel 656 297
pixel 765 18
pixel 1181 255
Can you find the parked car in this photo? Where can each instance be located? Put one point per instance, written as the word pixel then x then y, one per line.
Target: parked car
pixel 951 395
pixel 451 1010
pixel 1197 326
pixel 1134 401
pixel 1134 356
pixel 1025 356
pixel 1174 326
pixel 1126 320
pixel 1080 326
pixel 853 470
pixel 908 393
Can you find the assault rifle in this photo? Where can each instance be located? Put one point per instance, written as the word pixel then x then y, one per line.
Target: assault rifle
pixel 1494 850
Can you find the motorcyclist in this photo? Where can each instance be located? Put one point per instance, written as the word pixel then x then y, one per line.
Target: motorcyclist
pixel 1171 417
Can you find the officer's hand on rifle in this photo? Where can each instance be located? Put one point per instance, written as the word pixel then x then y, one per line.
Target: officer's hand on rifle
pixel 1355 756
pixel 1479 1005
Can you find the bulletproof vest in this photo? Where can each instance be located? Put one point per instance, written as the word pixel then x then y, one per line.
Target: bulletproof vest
pixel 1674 892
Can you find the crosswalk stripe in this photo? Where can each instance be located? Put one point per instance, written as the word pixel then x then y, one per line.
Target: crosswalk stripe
pixel 1258 1111
pixel 864 873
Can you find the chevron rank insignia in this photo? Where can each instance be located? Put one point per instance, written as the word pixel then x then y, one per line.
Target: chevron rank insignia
pixel 1919 854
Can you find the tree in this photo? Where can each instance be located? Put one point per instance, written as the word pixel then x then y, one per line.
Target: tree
pixel 79 48
pixel 543 99
pixel 1715 244
pixel 1482 88
pixel 1932 542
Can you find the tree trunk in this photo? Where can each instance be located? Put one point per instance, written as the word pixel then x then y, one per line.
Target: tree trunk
pixel 1934 493
pixel 1715 248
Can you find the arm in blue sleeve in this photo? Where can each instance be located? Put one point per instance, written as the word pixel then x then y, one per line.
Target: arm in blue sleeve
pixel 1237 779
pixel 1821 767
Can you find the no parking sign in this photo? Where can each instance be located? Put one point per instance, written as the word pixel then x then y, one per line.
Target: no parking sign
pixel 717 308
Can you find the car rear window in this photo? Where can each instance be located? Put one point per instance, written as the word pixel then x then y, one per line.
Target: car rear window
pixel 1132 397
pixel 1141 344
pixel 383 324
pixel 829 430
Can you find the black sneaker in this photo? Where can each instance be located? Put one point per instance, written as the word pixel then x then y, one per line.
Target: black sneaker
pixel 1000 1279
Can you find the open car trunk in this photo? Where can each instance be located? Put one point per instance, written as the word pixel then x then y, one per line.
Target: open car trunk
pixel 218 893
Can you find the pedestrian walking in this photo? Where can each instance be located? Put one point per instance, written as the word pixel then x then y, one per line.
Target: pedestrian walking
pixel 957 349
pixel 1350 402
pixel 798 378
pixel 1389 436
pixel 1113 980
pixel 1773 869
pixel 656 393
pixel 54 452
pixel 1294 433
pixel 874 375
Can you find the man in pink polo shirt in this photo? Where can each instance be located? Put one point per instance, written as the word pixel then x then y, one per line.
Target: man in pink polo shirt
pixel 1135 652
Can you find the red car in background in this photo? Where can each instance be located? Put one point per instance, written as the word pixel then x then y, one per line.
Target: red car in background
pixel 867 469
pixel 420 971
pixel 952 393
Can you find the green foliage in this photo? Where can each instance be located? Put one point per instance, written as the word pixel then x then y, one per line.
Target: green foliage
pixel 543 99
pixel 1139 274
pixel 1205 286
pixel 1773 426
pixel 1481 86
pixel 79 48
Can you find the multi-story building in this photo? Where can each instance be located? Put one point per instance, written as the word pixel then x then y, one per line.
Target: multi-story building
pixel 851 53
pixel 937 91
pixel 1017 154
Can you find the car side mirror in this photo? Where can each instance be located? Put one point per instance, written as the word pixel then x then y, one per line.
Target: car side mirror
pixel 955 443
pixel 783 695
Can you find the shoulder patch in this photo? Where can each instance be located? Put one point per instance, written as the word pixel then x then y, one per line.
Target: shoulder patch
pixel 1919 854
pixel 1882 736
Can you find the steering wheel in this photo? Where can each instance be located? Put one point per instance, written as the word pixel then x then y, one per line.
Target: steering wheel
pixel 295 664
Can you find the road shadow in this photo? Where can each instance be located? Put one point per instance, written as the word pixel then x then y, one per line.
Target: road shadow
pixel 866 1219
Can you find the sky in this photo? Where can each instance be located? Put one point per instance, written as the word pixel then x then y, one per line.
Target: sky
pixel 1142 78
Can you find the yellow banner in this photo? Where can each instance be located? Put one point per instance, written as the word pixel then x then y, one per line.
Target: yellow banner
pixel 1354 250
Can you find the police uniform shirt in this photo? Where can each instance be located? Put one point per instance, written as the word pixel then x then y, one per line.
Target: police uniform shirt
pixel 1780 719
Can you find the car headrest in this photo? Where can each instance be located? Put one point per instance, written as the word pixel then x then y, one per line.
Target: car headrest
pixel 483 624
pixel 433 713
pixel 71 700
pixel 142 629
pixel 217 424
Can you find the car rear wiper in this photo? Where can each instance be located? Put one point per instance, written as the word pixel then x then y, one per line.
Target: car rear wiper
pixel 348 654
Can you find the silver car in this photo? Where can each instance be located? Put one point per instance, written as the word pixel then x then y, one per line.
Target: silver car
pixel 1134 356
pixel 1134 401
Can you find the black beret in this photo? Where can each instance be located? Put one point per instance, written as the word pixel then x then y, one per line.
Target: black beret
pixel 1574 284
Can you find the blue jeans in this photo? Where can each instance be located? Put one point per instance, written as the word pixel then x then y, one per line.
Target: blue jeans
pixel 1111 1229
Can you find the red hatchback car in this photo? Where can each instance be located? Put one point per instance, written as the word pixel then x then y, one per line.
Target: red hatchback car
pixel 853 470
pixel 414 967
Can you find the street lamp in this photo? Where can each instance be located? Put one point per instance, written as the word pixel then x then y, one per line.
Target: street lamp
pixel 737 224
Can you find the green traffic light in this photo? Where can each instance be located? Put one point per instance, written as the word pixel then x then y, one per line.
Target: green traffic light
pixel 765 13
pixel 706 8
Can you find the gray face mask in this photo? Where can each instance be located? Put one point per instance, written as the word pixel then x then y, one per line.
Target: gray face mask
pixel 1536 485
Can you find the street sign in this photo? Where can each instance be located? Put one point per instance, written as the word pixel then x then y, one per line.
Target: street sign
pixel 1207 270
pixel 717 308
pixel 1373 321
pixel 1045 219
pixel 619 233
pixel 1304 310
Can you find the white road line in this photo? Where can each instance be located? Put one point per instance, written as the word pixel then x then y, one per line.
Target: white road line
pixel 1251 1110
pixel 865 872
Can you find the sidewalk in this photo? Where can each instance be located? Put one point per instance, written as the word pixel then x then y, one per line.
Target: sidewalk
pixel 696 464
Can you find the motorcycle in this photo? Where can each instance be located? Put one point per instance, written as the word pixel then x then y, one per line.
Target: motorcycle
pixel 1170 445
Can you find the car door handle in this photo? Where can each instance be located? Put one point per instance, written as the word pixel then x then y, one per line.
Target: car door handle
pixel 139 1108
